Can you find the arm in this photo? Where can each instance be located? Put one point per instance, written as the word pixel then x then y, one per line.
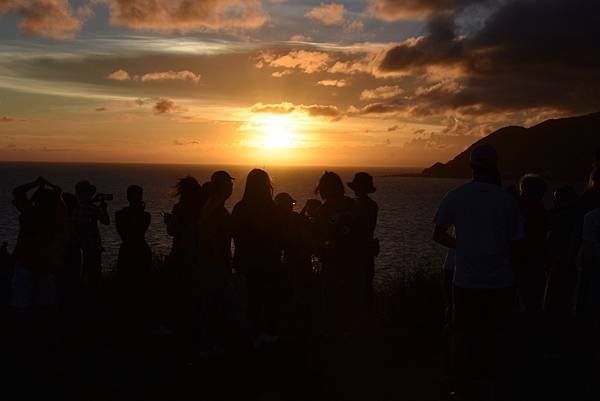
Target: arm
pixel 441 235
pixel 20 199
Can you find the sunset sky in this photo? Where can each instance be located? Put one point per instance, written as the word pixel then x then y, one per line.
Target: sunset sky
pixel 350 82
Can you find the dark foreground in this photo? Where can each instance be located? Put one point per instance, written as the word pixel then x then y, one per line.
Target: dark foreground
pixel 402 354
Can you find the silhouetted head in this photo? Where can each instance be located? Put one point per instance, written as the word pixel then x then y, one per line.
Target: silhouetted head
pixel 594 182
pixel 186 188
pixel 135 195
pixel 311 207
pixel 285 202
pixel 532 186
pixel 362 184
pixel 220 185
pixel 330 186
pixel 70 201
pixel 84 191
pixel 484 162
pixel 47 199
pixel 258 187
pixel 565 196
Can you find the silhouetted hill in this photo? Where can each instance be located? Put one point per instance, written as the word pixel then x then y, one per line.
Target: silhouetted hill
pixel 558 148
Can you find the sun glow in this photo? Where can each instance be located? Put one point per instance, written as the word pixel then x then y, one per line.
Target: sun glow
pixel 276 131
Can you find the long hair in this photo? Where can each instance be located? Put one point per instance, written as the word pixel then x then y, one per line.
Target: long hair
pixel 330 185
pixel 186 188
pixel 259 189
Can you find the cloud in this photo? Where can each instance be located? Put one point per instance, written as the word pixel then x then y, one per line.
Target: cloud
pixel 356 26
pixel 328 14
pixel 300 38
pixel 504 66
pixel 185 75
pixel 119 75
pixel 187 16
pixel 305 60
pixel 313 110
pixel 392 128
pixel 170 76
pixel 163 106
pixel 47 18
pixel 394 10
pixel 382 92
pixel 100 109
pixel 5 119
pixel 339 83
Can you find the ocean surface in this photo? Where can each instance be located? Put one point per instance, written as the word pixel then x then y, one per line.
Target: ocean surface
pixel 404 228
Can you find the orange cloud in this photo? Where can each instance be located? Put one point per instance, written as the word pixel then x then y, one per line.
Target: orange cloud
pixel 187 16
pixel 328 14
pixel 48 18
pixel 305 60
pixel 313 110
pixel 382 92
pixel 119 75
pixel 5 119
pixel 170 76
pixel 339 83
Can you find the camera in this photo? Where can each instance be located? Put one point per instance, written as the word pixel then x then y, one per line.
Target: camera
pixel 103 197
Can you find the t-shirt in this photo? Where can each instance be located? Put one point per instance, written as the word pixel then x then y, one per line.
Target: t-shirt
pixel 486 219
pixel 591 226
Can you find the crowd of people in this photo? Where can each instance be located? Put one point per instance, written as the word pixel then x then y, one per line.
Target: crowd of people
pixel 246 278
pixel 239 278
pixel 513 265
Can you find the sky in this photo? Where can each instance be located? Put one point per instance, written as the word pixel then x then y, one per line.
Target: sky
pixel 349 82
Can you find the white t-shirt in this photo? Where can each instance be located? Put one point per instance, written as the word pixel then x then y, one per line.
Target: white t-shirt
pixel 486 219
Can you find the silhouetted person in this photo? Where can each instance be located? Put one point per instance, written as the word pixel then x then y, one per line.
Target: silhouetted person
pixel 310 209
pixel 38 254
pixel 365 219
pixel 590 199
pixel 297 262
pixel 341 276
pixel 87 216
pixel 563 245
pixel 487 225
pixel 215 265
pixel 182 223
pixel 135 257
pixel 531 263
pixel 257 256
pixel 589 295
pixel 69 277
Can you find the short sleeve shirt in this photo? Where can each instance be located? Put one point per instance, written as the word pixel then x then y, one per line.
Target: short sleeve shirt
pixel 486 219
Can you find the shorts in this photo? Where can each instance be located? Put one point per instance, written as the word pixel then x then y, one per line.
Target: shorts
pixel 28 289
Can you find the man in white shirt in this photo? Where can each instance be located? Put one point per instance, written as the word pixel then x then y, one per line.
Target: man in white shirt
pixel 487 225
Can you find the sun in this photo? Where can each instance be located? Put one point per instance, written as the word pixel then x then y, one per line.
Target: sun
pixel 277 132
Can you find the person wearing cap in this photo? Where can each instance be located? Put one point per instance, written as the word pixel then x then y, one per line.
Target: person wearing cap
pixel 215 261
pixel 365 219
pixel 297 261
pixel 487 225
pixel 87 215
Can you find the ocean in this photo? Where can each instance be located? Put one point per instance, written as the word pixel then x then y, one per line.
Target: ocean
pixel 407 205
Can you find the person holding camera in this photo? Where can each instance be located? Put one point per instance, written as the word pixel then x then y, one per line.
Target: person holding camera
pixel 92 210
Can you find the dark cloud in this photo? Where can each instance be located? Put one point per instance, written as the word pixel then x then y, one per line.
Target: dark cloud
pixel 163 106
pixel 5 119
pixel 100 109
pixel 537 54
pixel 313 110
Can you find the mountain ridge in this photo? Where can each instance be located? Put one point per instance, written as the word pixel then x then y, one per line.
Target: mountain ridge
pixel 559 148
